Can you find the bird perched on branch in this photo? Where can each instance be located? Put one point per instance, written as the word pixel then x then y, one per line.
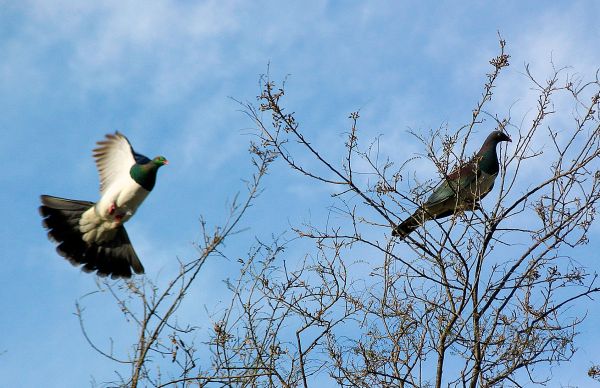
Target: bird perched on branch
pixel 462 189
pixel 93 234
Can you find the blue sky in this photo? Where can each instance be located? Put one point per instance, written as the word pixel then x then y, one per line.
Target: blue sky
pixel 163 73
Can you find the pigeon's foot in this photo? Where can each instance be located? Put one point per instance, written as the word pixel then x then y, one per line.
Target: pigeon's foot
pixel 112 208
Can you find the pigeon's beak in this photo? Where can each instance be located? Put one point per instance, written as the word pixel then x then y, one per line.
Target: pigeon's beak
pixel 165 162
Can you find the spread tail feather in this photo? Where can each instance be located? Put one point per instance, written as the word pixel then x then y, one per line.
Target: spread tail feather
pixel 115 257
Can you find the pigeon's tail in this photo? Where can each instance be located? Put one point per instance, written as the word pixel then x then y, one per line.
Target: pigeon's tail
pixel 114 257
pixel 409 225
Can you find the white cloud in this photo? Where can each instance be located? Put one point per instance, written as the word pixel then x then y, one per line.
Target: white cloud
pixel 166 45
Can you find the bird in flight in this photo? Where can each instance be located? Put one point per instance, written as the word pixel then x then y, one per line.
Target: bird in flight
pixel 461 190
pixel 93 234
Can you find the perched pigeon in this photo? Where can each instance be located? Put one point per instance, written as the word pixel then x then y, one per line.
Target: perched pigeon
pixel 461 190
pixel 93 234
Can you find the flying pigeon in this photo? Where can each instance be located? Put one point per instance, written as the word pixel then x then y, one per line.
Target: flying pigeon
pixel 461 190
pixel 93 234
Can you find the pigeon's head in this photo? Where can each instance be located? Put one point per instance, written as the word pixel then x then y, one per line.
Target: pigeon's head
pixel 498 136
pixel 160 161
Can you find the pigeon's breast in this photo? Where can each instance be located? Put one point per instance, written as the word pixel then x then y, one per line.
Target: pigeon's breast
pixel 120 201
pixel 129 199
pixel 483 185
pixel 487 181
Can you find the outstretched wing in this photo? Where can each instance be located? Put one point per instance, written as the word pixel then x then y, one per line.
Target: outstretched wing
pixel 114 158
pixel 139 158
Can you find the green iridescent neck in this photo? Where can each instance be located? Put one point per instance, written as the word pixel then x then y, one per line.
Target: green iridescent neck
pixel 489 159
pixel 145 174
